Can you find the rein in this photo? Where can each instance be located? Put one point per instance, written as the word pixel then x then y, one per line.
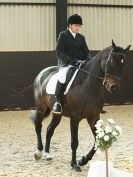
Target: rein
pixel 89 73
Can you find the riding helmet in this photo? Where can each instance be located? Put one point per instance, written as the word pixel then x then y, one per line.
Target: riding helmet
pixel 74 19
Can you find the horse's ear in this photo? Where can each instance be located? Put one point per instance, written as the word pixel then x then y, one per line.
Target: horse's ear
pixel 113 45
pixel 127 49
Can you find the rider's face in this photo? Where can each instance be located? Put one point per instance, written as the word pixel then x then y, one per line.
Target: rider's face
pixel 75 27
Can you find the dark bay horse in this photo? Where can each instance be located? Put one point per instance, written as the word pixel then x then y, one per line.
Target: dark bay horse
pixel 84 100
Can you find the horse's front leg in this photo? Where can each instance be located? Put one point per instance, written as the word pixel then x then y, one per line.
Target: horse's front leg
pixel 74 124
pixel 91 153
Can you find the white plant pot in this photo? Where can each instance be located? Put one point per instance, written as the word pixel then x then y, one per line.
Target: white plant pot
pixel 98 169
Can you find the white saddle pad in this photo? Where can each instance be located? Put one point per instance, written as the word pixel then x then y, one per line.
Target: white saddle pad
pixel 51 85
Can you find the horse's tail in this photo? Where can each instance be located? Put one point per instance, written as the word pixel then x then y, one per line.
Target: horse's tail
pixel 34 112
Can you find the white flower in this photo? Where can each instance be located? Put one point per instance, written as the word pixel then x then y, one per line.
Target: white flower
pixel 108 129
pixel 99 130
pixel 119 129
pixel 106 138
pixel 95 147
pixel 101 134
pixel 114 133
pixel 100 121
pixel 98 124
pixel 111 121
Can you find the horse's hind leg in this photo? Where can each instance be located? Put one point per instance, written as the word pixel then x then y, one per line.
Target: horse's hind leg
pixel 38 117
pixel 50 131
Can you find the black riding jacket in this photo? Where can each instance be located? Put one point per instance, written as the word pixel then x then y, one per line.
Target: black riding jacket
pixel 69 49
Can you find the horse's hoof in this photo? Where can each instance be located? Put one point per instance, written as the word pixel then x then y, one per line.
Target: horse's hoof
pixel 82 162
pixel 47 156
pixel 76 168
pixel 38 155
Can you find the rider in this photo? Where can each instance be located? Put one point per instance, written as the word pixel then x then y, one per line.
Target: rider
pixel 71 48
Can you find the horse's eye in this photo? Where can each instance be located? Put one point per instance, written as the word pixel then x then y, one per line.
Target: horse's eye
pixel 122 61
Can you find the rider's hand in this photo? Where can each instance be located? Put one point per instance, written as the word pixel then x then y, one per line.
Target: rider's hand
pixel 81 62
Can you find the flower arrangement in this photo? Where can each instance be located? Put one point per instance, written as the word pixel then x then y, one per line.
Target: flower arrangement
pixel 105 136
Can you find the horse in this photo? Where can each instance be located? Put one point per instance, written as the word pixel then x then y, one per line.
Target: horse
pixel 84 100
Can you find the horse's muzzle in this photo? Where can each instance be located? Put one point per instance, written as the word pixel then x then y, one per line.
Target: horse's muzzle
pixel 111 84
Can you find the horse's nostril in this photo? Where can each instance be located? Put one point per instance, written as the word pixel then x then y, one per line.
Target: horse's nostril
pixel 114 88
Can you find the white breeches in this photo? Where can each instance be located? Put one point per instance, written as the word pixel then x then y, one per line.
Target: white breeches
pixel 62 73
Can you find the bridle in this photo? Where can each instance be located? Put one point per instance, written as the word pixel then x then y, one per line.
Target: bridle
pixel 106 69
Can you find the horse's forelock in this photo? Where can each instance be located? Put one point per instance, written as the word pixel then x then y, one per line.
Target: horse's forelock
pixel 106 51
pixel 119 50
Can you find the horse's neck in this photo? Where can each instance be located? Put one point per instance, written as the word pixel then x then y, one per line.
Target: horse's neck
pixel 93 80
pixel 94 65
pixel 94 70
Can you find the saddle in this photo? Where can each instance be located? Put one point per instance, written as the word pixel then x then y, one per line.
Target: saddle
pixel 51 85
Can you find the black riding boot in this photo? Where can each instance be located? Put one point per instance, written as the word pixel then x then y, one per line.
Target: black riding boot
pixel 57 107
